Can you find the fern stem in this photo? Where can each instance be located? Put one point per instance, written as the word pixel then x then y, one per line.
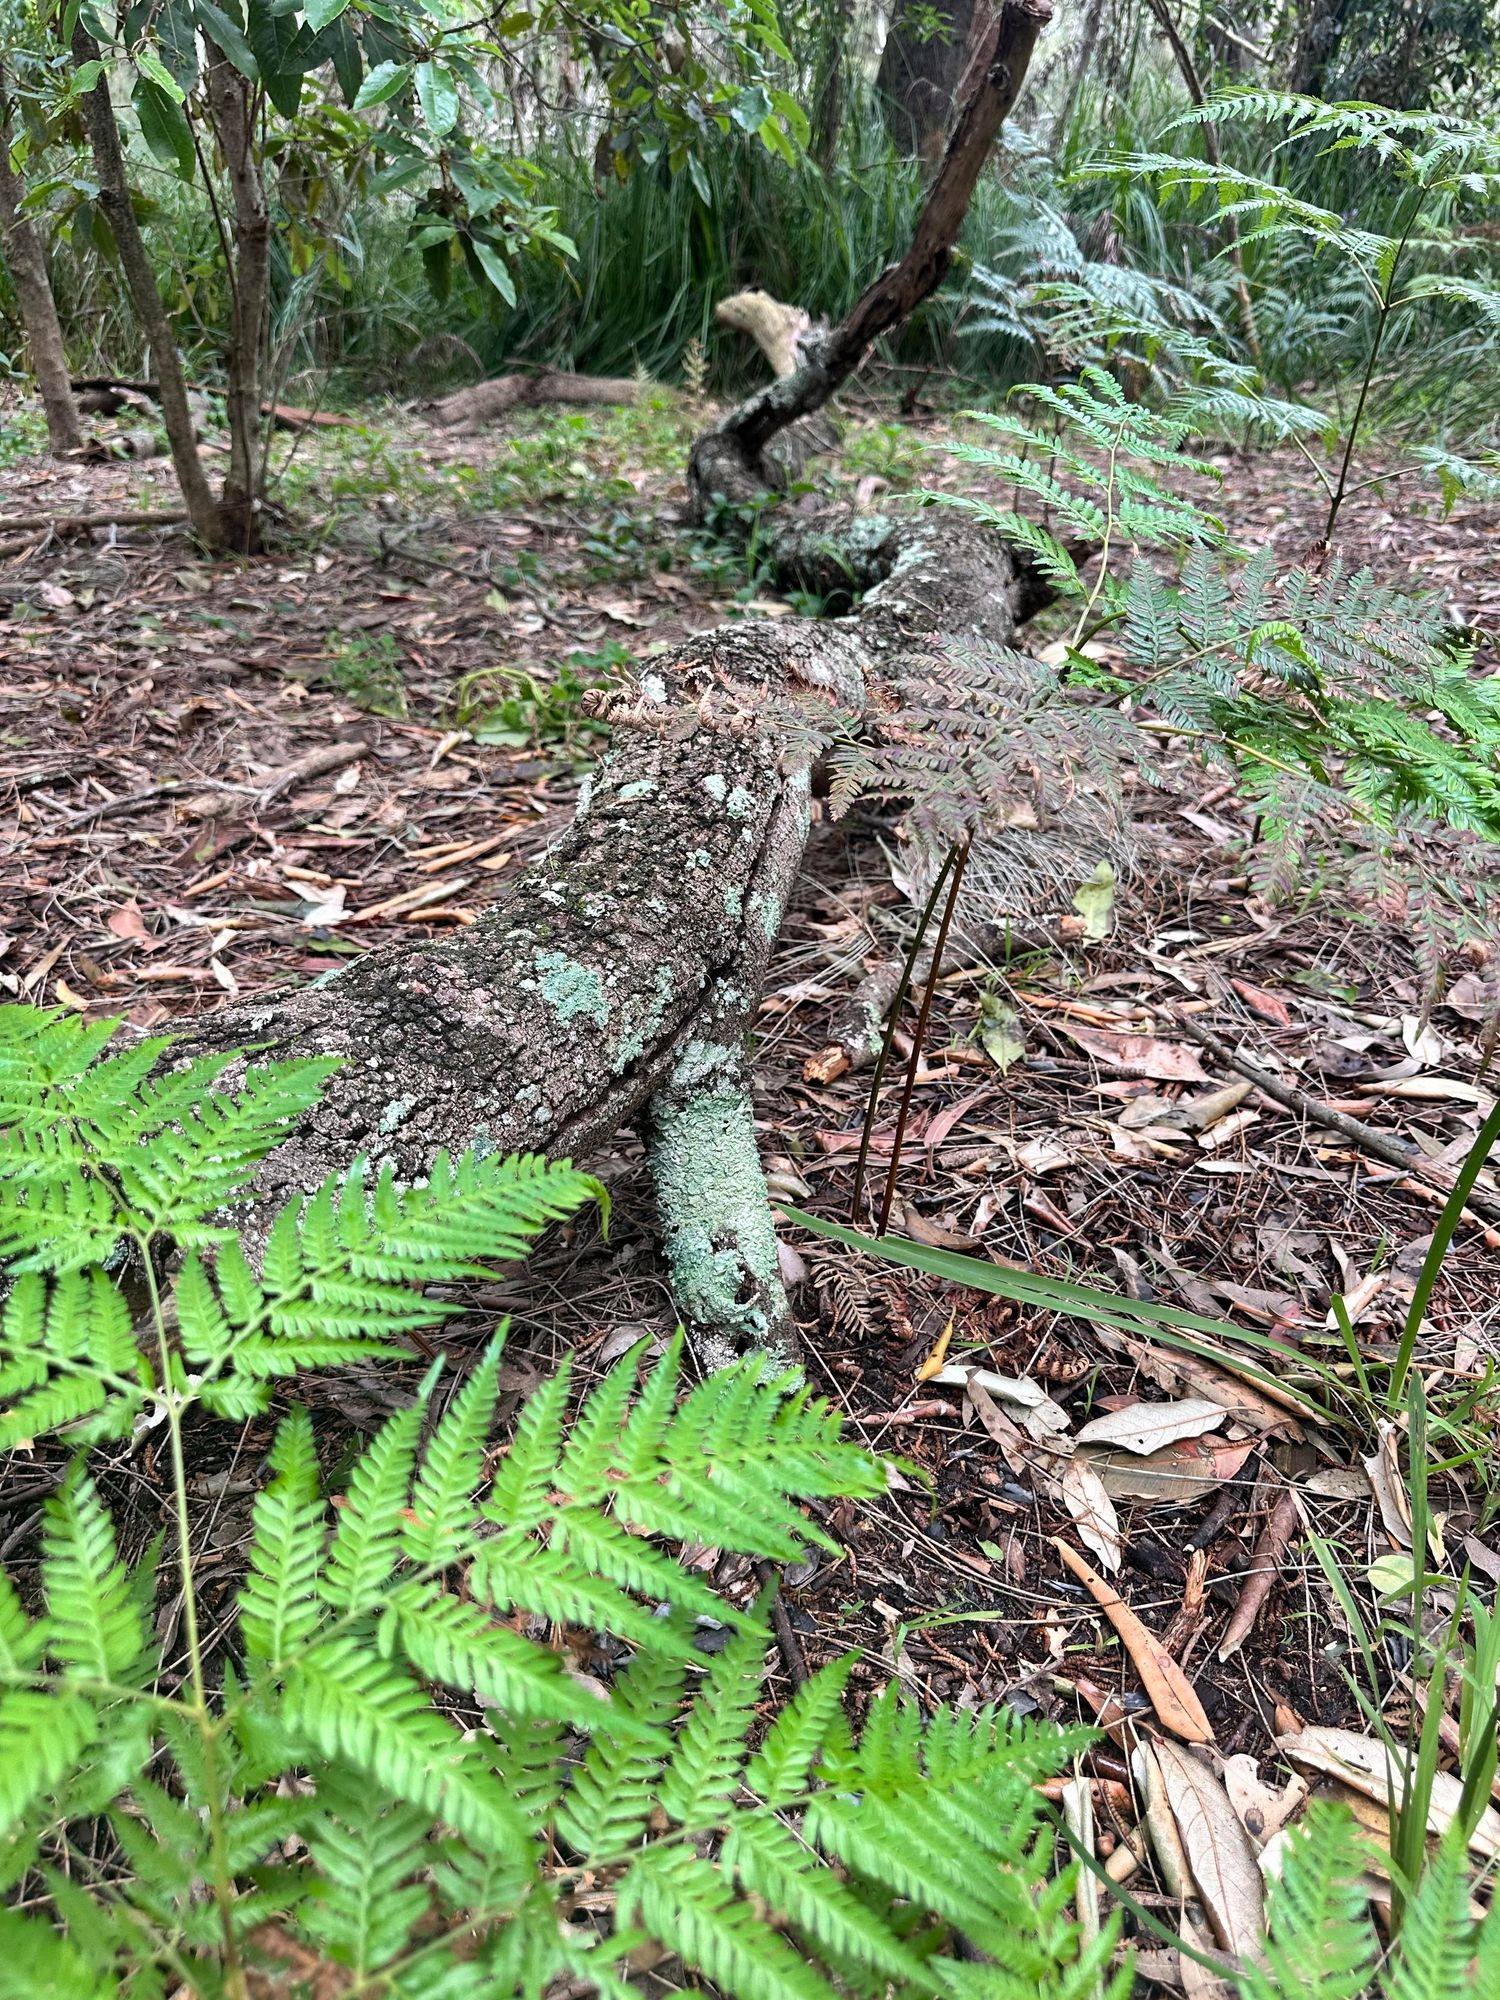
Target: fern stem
pixel 959 856
pixel 1382 320
pixel 873 1100
pixel 223 1875
pixel 1109 528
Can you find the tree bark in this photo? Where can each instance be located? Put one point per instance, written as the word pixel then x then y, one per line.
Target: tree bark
pixel 229 109
pixel 919 74
pixel 140 281
pixel 27 264
pixel 619 978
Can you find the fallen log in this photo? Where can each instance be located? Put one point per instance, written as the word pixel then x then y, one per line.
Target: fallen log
pixel 618 978
pixel 486 402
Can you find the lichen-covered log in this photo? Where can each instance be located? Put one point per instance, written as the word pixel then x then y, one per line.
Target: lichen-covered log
pixel 620 974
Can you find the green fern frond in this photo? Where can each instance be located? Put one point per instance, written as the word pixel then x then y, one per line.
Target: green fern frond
pixel 38 1963
pixel 350 1705
pixel 442 1510
pixel 691 1907
pixel 367 1851
pixel 608 1802
pixel 450 1640
pixel 1319 1944
pixel 366 1543
pixel 709 1759
pixel 95 1627
pixel 779 1771
pixel 278 1603
pixel 768 1860
pixel 1436 1939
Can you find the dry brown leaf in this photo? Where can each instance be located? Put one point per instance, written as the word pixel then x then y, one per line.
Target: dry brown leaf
pixel 1174 1477
pixel 1093 1511
pixel 1219 1855
pixel 1264 1405
pixel 1384 1469
pixel 1265 1567
pixel 1139 1055
pixel 1014 1444
pixel 1146 1427
pixel 127 921
pixel 1177 1706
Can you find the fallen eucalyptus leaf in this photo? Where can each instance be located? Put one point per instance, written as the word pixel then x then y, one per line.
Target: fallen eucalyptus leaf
pixel 1146 1427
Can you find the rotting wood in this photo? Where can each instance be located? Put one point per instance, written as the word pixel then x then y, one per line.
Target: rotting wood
pixel 485 402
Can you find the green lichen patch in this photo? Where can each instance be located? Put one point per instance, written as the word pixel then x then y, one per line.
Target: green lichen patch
pixel 571 989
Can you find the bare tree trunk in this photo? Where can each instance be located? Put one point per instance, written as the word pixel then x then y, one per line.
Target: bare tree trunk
pixel 140 280
pixel 27 264
pixel 828 98
pixel 920 72
pixel 230 110
pixel 619 978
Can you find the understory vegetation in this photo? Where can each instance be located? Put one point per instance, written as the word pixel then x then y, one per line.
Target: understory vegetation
pixel 443 1670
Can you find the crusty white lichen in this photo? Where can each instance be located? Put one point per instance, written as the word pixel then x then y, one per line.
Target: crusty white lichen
pixel 714 1208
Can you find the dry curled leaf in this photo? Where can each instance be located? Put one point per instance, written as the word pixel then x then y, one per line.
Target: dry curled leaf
pixel 1146 1427
pixel 1172 1696
pixel 1220 1858
pixel 1263 1812
pixel 1265 1567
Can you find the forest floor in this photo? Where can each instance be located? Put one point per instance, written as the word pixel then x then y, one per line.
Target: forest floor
pixel 451 601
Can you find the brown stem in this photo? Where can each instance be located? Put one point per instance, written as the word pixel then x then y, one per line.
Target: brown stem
pixel 898 1002
pixel 961 861
pixel 229 108
pixel 140 282
pixel 26 261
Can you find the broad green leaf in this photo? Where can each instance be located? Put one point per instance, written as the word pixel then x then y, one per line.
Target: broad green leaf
pixel 318 13
pixel 383 81
pixel 495 269
pixel 150 64
pixel 163 127
pixel 437 93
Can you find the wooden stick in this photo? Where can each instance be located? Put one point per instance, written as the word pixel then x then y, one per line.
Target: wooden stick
pixel 1379 1145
